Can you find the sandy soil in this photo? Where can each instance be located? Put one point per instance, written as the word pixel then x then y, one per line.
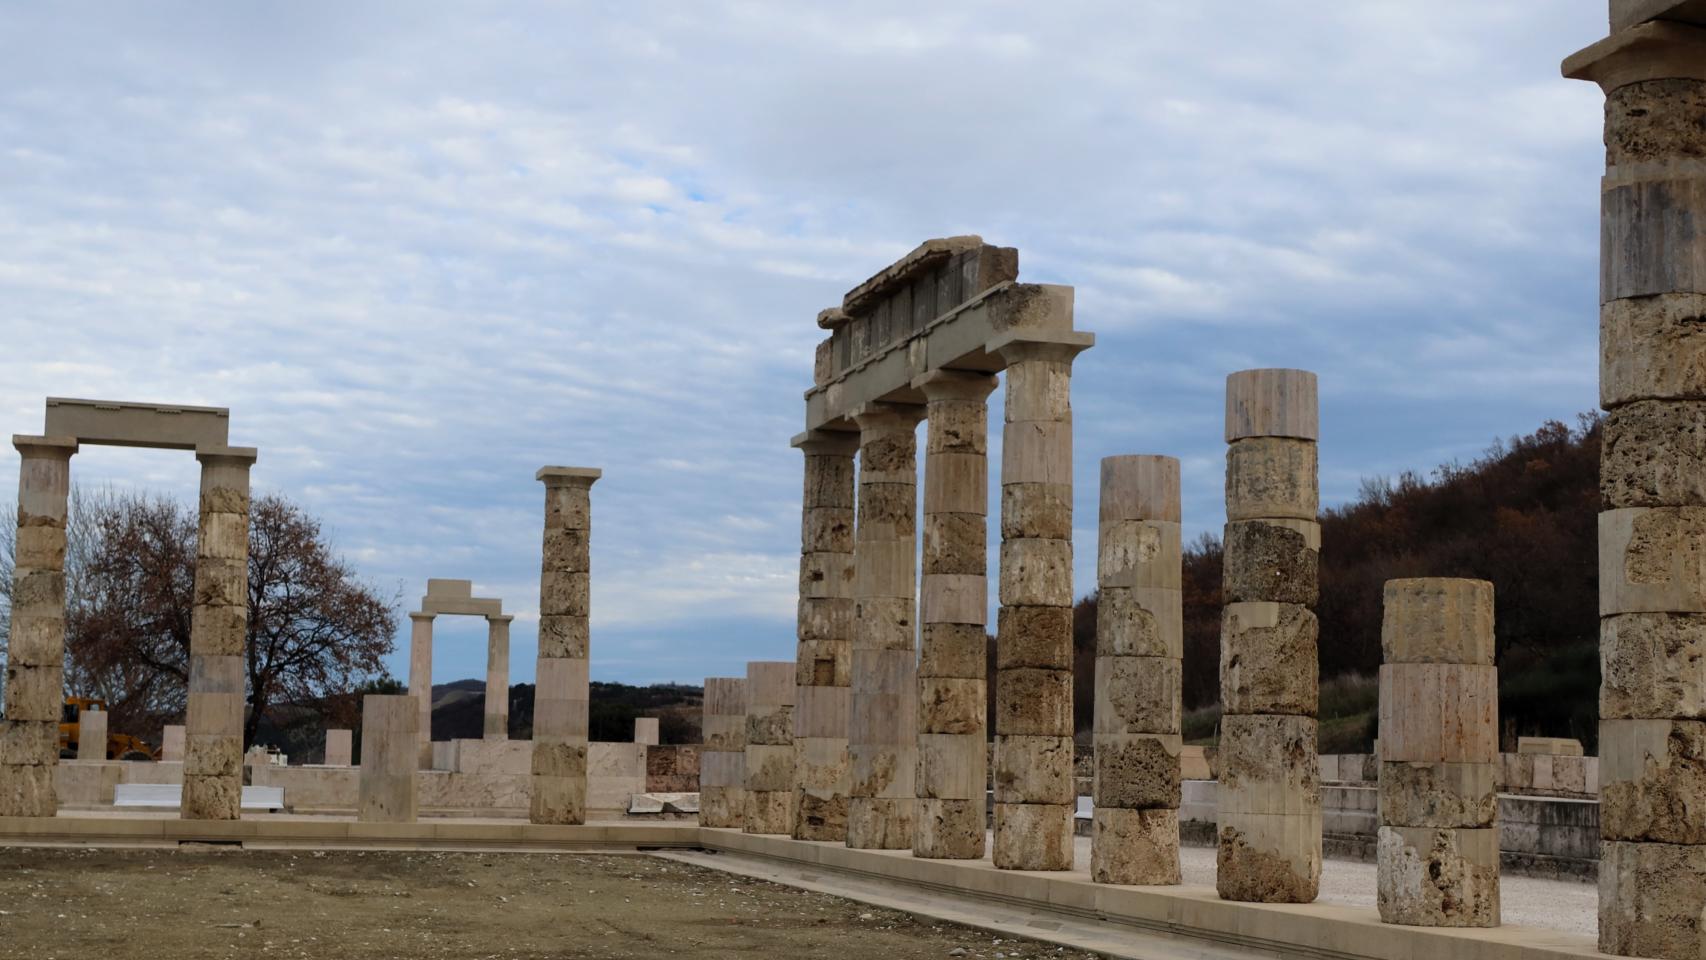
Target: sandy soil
pixel 71 904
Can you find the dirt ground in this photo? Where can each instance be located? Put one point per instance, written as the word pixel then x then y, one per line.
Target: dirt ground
pixel 74 904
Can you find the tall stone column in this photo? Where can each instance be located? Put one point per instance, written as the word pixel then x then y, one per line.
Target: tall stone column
pixel 562 684
pixel 35 655
pixel 722 758
pixel 219 634
pixel 1652 578
pixel 952 682
pixel 769 746
pixel 389 734
pixel 497 677
pixel 882 734
pixel 1036 797
pixel 1439 740
pixel 1270 772
pixel 1134 835
pixel 823 663
pixel 420 684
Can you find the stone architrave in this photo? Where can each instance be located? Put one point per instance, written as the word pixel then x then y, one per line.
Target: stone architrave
pixel 823 659
pixel 1036 797
pixel 882 732
pixel 1438 853
pixel 562 684
pixel 35 657
pixel 420 683
pixel 338 748
pixel 769 747
pixel 953 701
pixel 722 758
pixel 92 735
pixel 1270 778
pixel 219 634
pixel 388 744
pixel 1134 835
pixel 497 677
pixel 1652 874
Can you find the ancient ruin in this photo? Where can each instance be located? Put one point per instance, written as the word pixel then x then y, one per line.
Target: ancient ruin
pixel 558 791
pixel 390 730
pixel 722 758
pixel 456 598
pixel 769 763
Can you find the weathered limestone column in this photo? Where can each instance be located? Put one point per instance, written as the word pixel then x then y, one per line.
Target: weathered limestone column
pixel 1439 739
pixel 562 682
pixel 389 733
pixel 1652 575
pixel 35 657
pixel 953 771
pixel 1134 835
pixel 1270 771
pixel 722 759
pixel 769 747
pixel 92 735
pixel 497 677
pixel 338 750
pixel 882 736
pixel 823 663
pixel 420 684
pixel 219 635
pixel 1035 796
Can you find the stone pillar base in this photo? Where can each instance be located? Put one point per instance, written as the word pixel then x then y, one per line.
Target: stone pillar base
pixel 949 829
pixel 1033 836
pixel 1136 847
pixel 1433 877
pixel 1269 857
pixel 880 823
pixel 723 807
pixel 769 811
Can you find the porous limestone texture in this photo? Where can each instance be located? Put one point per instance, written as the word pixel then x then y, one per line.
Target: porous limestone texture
pixel 1652 533
pixel 722 758
pixel 952 671
pixel 1438 850
pixel 1134 836
pixel 1270 777
pixel 497 677
pixel 882 745
pixel 213 720
pixel 1035 800
pixel 389 733
pixel 29 734
pixel 769 760
pixel 824 630
pixel 561 682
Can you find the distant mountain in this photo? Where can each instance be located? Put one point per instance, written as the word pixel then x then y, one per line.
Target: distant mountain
pixel 459 709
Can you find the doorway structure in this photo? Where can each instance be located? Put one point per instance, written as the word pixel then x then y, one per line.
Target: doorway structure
pixel 456 598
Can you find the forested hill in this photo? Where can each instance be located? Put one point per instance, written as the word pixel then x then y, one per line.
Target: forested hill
pixel 1523 516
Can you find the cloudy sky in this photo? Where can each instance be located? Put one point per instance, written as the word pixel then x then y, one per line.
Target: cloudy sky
pixel 422 249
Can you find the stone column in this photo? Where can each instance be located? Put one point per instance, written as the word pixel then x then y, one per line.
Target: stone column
pixel 497 677
pixel 823 660
pixel 1134 835
pixel 1439 738
pixel 35 656
pixel 722 759
pixel 389 734
pixel 1270 776
pixel 562 683
pixel 952 683
pixel 420 684
pixel 92 735
pixel 219 635
pixel 769 747
pixel 1652 578
pixel 882 734
pixel 172 744
pixel 338 751
pixel 1036 797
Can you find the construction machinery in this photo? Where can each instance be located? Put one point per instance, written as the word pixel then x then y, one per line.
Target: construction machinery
pixel 120 746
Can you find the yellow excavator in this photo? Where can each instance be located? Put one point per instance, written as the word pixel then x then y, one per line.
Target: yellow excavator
pixel 120 746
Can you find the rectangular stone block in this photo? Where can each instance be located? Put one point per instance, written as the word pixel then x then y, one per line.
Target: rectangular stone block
pixel 40 547
pixel 1555 746
pixel 221 583
pixel 1651 899
pixel 1437 620
pixel 1269 765
pixel 1134 847
pixel 723 807
pixel 881 823
pixel 956 483
pixel 1268 659
pixel 950 829
pixel 884 623
pixel 769 726
pixel 557 800
pixel 1032 769
pixel 1274 561
pixel 28 742
pixel 26 790
pixel 958 426
pixel 172 743
pixel 1039 637
pixel 886 568
pixel 769 767
pixel 1444 795
pixel 722 768
pixel 92 735
pixel 952 766
pixel 725 696
pixel 219 631
pixel 564 594
pixel 882 770
pixel 888 511
pixel 556 759
pixel 1652 560
pixel 1652 665
pixel 216 674
pixel 1036 573
pixel 223 536
pixel 338 748
pixel 568 508
pixel 826 575
pixel 820 765
pixel 724 733
pixel 1271 402
pixel 36 641
pixel 822 712
pixel 1137 695
pixel 948 705
pixel 954 650
pixel 1033 703
pixel 560 717
pixel 1439 712
pixel 824 619
pixel 561 678
pixel 1437 877
pixel 1653 454
pixel 566 551
pixel 769 812
pixel 1136 771
pixel 563 637
pixel 827 529
pixel 38 593
pixel 211 798
pixel 1139 487
pixel 1141 554
pixel 955 598
pixel 1271 478
pixel 1652 348
pixel 1036 510
pixel 1268 858
pixel 1650 241
pixel 34 693
pixel 1037 451
pixel 1140 623
pixel 956 543
pixel 213 756
pixel 1652 779
pixel 1033 836
pixel 1038 390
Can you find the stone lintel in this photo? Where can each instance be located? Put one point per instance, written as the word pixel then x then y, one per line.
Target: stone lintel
pixel 449 589
pixel 118 423
pixel 832 442
pixel 568 476
pixel 472 607
pixel 1628 13
pixel 928 254
pixel 1656 50
pixel 45 447
pixel 955 385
